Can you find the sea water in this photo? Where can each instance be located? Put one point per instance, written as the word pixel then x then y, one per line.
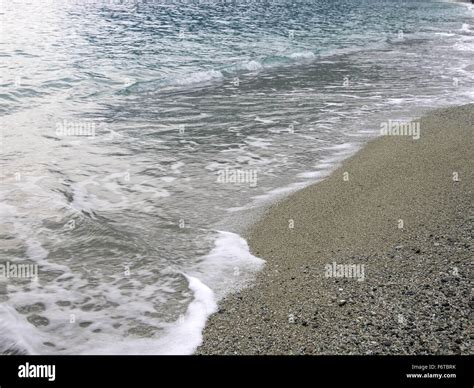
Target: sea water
pixel 138 138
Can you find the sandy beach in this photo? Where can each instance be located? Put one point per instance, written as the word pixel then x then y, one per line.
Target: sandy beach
pixel 372 260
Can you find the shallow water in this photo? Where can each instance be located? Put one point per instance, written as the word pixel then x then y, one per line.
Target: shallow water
pixel 138 137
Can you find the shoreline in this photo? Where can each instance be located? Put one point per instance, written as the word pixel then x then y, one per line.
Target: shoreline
pixel 395 220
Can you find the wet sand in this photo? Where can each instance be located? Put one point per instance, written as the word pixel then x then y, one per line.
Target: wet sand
pixel 372 260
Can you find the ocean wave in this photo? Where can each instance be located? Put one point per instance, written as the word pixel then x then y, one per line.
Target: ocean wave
pixel 205 77
pixel 229 266
pixel 198 77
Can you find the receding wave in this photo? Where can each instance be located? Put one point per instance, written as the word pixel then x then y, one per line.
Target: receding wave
pixel 205 77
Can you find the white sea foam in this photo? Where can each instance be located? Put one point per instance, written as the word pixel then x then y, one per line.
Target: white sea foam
pixel 181 337
pixel 464 45
pixel 264 121
pixel 465 27
pixel 198 77
pixel 258 142
pixel 336 153
pixel 228 267
pixel 17 334
pixel 303 55
pixel 252 65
